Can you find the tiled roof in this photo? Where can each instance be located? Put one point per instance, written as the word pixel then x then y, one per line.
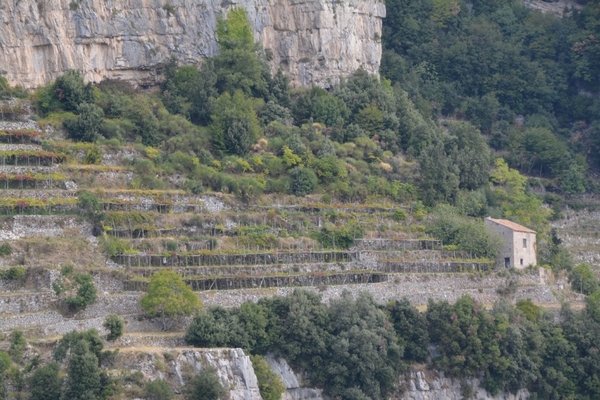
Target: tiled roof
pixel 512 225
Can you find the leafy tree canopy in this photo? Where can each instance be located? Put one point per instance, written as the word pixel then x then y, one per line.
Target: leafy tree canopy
pixel 168 297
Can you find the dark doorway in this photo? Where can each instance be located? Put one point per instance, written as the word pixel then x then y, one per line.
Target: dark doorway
pixel 507 262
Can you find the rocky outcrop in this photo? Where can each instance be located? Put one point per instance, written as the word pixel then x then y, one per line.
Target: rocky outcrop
pixel 430 385
pixel 293 382
pixel 315 41
pixel 232 366
pixel 415 385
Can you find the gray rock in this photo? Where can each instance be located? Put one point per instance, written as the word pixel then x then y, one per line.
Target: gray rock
pixel 316 42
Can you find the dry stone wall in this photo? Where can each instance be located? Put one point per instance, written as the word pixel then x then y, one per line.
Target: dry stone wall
pixel 418 288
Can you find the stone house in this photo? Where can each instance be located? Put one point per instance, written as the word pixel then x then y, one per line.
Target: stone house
pixel 519 247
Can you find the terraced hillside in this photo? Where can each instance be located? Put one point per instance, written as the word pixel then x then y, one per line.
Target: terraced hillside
pixel 226 250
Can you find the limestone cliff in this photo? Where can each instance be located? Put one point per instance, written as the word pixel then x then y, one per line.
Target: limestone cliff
pixel 232 366
pixel 314 41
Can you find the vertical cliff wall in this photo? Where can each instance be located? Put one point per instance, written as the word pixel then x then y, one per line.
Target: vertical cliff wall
pixel 314 41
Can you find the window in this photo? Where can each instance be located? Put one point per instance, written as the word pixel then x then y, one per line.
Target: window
pixel 521 261
pixel 524 243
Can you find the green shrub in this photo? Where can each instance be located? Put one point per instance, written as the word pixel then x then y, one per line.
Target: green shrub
pixel 468 234
pixel 115 326
pixel 5 362
pixel 86 292
pixel 339 237
pixel 67 269
pixel 583 280
pixel 17 346
pixel 114 246
pixel 205 386
pixel 79 289
pixel 16 273
pixel 399 215
pixel 528 309
pixel 86 126
pixel 172 245
pixel 158 390
pixel 45 383
pixel 5 249
pixel 269 384
pixel 304 181
pixel 93 155
pixel 71 90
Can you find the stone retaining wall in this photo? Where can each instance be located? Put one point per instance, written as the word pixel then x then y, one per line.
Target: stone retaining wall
pixel 26 302
pixel 155 260
pixel 390 244
pixel 418 288
pixel 309 280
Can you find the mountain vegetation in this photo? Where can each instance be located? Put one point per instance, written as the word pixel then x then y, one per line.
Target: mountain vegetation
pixel 355 348
pixel 482 109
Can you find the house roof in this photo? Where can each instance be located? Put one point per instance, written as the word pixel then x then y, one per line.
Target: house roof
pixel 511 225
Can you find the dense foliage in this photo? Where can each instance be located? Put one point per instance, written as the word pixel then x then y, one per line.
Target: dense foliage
pixel 498 63
pixel 168 298
pixel 78 372
pixel 355 349
pixel 478 99
pixel 76 290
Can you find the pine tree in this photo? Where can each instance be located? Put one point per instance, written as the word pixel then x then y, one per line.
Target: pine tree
pixel 83 374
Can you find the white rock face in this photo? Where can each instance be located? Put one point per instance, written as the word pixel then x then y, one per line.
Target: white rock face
pixel 294 389
pixel 419 386
pixel 314 41
pixel 232 366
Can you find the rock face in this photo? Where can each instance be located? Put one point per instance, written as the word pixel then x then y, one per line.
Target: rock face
pixel 232 366
pixel 314 41
pixel 415 385
pixel 419 386
pixel 294 388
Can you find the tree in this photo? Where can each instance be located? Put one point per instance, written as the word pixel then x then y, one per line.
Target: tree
pixel 45 383
pixel 411 327
pixel 205 386
pixel 212 328
pixel 508 185
pixel 370 119
pixel 235 31
pixel 5 362
pixel 304 181
pixel 238 135
pixel 17 346
pixel 470 153
pixel 87 124
pixel 168 298
pixel 72 91
pixel 583 280
pixel 94 343
pixel 364 354
pixel 468 234
pixel 572 179
pixel 238 67
pixel 158 390
pixel 234 125
pixel 328 109
pixel 115 326
pixel 439 175
pixel 269 383
pixel 83 374
pixel 140 112
pixel 86 292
